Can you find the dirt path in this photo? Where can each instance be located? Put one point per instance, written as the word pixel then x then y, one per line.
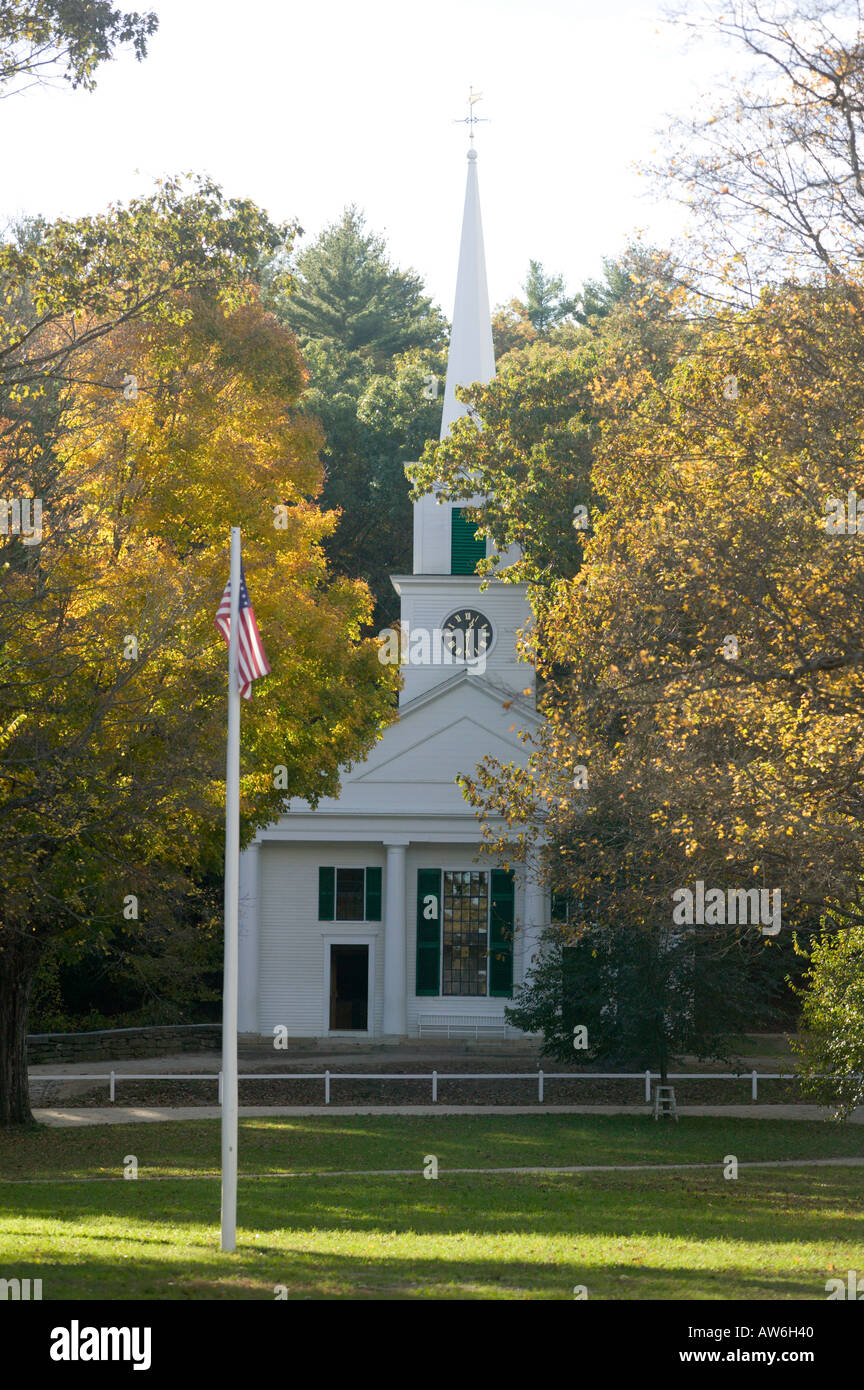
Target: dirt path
pixel 127 1114
pixel 848 1162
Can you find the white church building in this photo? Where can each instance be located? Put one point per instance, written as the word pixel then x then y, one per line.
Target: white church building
pixel 378 914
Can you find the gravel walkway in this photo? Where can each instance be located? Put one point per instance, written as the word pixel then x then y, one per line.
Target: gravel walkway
pixel 124 1114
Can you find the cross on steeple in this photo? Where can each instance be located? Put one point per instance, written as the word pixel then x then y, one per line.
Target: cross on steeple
pixel 471 120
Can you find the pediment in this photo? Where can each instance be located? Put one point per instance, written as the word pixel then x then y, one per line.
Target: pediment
pixel 439 754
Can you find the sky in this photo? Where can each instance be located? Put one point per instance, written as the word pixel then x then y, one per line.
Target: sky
pixel 306 108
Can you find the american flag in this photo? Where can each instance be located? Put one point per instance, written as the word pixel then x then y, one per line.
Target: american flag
pixel 251 658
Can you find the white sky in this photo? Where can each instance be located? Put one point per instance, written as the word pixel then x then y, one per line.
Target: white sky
pixel 307 107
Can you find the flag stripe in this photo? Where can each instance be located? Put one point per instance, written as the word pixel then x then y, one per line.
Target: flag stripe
pixel 252 660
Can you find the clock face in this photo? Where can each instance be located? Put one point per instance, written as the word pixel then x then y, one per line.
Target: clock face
pixel 467 634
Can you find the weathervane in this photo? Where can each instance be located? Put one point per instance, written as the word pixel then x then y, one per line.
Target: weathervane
pixel 471 120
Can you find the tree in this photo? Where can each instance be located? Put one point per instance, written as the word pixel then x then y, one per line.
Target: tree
pixel 532 462
pixel 831 1041
pixel 370 340
pixel 633 279
pixel 112 707
pixel 773 175
pixel 345 291
pixel 697 644
pixel 512 329
pixel 45 40
pixel 518 324
pixel 65 284
pixel 546 300
pixel 642 996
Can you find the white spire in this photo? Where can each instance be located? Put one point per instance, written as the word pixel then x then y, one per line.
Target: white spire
pixel 472 356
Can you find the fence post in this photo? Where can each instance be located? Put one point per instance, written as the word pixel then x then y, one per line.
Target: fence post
pixel 753 1087
pixel 326 1088
pixel 647 1088
pixel 111 1090
pixel 540 1085
pixel 434 1088
pixel 220 1089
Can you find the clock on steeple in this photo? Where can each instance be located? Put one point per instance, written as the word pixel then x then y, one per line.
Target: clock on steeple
pixel 467 634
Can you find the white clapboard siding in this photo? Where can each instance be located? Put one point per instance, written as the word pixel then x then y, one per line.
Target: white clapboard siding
pixel 293 989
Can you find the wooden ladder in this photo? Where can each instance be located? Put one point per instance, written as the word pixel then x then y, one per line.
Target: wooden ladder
pixel 664 1103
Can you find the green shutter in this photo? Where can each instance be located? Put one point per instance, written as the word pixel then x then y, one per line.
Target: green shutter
pixel 466 547
pixel 326 894
pixel 373 895
pixel 501 922
pixel 428 931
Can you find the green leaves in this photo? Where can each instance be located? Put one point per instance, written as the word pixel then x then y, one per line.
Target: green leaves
pixel 72 281
pixel 346 291
pixel 45 40
pixel 831 1043
pixel 369 338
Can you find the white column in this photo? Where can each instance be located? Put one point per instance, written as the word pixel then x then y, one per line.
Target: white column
pixel 395 991
pixel 250 871
pixel 535 919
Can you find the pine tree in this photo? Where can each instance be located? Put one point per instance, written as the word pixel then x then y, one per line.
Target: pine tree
pixel 369 337
pixel 348 292
pixel 546 298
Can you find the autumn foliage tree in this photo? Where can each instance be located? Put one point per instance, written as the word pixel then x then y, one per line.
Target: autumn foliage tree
pixel 44 41
pixel 772 170
pixel 698 642
pixel 159 407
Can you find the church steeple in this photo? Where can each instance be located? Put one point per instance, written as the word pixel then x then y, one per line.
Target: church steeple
pixel 471 359
pixel 445 601
pixel 472 356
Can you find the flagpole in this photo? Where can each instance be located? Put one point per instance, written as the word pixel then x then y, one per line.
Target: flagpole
pixel 232 883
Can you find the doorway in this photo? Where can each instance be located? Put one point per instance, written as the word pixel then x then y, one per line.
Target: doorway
pixel 349 989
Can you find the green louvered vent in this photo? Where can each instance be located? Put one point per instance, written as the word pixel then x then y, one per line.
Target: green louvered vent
pixel 466 547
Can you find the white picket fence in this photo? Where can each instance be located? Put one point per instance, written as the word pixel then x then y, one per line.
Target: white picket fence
pixel 328 1077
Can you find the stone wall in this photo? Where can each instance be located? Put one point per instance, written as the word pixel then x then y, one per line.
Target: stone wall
pixel 114 1044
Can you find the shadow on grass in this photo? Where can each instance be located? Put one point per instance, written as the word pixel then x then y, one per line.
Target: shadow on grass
pixel 399 1141
pixel 257 1274
pixel 613 1233
pixel 785 1206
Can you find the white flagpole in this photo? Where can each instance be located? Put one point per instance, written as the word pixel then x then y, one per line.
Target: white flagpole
pixel 232 884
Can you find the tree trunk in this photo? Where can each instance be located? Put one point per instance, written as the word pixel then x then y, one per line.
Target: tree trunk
pixel 19 958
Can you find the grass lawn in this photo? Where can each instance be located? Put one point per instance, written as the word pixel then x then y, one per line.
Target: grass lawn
pixel 771 1234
